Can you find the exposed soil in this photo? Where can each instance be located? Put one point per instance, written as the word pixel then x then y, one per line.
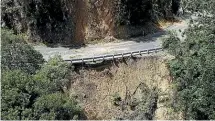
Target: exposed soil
pixel 125 82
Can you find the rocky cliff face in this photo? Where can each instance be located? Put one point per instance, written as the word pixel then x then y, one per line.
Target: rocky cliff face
pixel 79 21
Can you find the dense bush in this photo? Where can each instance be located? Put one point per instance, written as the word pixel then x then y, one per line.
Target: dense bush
pixel 18 95
pixel 132 12
pixel 17 54
pixel 193 68
pixel 56 106
pixel 137 12
pixel 57 21
pixel 12 15
pixel 22 100
pixel 26 97
pixel 53 76
pixel 31 89
pixel 198 5
pixel 41 20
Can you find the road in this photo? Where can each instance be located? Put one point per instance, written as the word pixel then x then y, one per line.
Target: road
pixel 122 46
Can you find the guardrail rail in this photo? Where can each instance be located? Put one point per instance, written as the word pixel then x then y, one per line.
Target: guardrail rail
pixel 114 56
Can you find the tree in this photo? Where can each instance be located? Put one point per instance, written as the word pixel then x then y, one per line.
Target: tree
pixel 56 106
pixel 33 97
pixel 193 68
pixel 18 95
pixel 30 92
pixel 52 81
pixel 17 54
pixel 198 5
pixel 53 76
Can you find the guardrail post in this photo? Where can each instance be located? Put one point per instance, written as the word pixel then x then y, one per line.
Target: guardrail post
pixel 140 53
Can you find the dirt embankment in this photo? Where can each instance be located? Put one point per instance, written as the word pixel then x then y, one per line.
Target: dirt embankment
pixel 93 19
pixel 132 89
pixel 80 21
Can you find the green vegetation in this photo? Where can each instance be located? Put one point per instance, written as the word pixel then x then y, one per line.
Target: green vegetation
pixel 32 89
pixel 56 106
pixel 53 76
pixel 116 99
pixel 18 94
pixel 55 21
pixel 148 104
pixel 17 54
pixel 41 20
pixel 137 12
pixel 198 5
pixel 35 90
pixel 193 68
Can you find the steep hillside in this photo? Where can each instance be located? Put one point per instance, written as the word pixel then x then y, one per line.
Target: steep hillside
pixel 79 21
pixel 133 89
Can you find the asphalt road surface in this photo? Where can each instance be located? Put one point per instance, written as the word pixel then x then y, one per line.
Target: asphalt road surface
pixel 122 46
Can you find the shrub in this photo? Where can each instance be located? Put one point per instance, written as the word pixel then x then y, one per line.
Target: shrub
pixel 18 95
pixel 17 54
pixel 53 76
pixel 30 92
pixel 193 69
pixel 40 96
pixel 56 106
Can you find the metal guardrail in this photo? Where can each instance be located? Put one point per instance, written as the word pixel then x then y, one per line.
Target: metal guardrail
pixel 114 56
